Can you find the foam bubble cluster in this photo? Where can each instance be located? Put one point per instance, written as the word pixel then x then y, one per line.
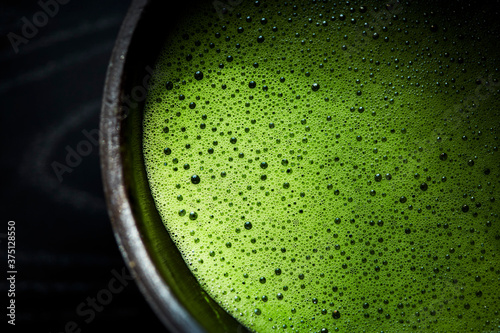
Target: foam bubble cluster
pixel 333 166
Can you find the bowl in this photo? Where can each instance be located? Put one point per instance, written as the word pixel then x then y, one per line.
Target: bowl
pixel 152 258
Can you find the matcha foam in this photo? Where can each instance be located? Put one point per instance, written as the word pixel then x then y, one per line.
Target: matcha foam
pixel 333 166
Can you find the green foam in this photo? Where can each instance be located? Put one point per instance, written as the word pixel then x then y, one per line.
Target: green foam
pixel 340 206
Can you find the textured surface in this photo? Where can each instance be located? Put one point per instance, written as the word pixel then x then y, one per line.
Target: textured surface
pixel 320 172
pixel 51 92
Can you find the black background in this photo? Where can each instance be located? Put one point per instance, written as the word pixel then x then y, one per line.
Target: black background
pixel 51 91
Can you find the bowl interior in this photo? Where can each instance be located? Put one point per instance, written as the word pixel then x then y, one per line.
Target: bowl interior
pixel 153 258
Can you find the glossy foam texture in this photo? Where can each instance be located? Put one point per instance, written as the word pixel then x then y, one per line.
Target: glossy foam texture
pixel 378 199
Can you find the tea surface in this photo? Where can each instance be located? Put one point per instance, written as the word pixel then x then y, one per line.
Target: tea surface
pixel 333 166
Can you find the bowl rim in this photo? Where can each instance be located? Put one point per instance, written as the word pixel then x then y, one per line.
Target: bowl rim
pixel 125 225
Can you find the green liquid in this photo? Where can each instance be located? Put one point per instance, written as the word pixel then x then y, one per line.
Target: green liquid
pixel 343 181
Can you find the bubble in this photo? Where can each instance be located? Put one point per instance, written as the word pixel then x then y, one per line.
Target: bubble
pixel 198 75
pixel 195 179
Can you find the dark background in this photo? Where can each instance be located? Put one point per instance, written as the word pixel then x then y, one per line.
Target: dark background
pixel 51 91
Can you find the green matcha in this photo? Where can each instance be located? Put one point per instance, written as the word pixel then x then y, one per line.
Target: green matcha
pixel 333 166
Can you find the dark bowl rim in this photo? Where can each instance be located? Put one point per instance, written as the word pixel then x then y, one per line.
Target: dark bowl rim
pixel 125 225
